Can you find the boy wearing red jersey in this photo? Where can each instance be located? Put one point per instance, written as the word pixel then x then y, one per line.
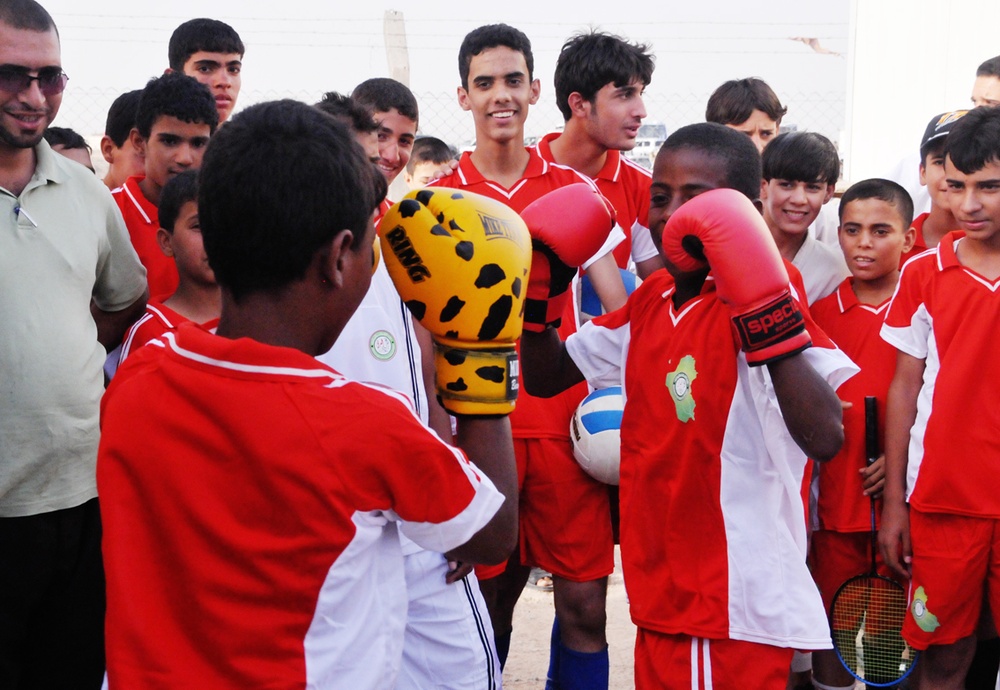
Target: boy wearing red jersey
pixel 714 439
pixel 565 527
pixel 250 512
pixel 599 80
pixel 941 493
pixel 931 226
pixel 875 231
pixel 175 118
pixel 197 298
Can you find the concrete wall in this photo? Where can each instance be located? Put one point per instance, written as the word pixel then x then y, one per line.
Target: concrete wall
pixel 908 61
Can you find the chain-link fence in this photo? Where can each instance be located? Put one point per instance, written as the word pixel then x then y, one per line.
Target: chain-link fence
pixel 85 110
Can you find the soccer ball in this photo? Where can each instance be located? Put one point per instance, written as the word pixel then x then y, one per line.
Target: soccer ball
pixel 590 303
pixel 595 431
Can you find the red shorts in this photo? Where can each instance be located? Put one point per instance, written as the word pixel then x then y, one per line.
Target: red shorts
pixel 683 662
pixel 564 514
pixel 954 558
pixel 835 557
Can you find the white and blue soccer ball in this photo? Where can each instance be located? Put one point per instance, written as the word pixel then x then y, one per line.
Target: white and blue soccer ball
pixel 595 431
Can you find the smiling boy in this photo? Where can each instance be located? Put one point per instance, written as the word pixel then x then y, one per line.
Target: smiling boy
pixel 800 173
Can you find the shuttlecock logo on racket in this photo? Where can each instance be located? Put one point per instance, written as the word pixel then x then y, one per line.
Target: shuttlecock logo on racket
pixel 679 383
pixel 925 620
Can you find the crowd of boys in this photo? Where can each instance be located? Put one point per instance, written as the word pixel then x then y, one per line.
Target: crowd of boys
pixel 294 492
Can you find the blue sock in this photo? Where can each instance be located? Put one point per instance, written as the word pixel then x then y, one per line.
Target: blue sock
pixel 555 643
pixel 503 647
pixel 583 670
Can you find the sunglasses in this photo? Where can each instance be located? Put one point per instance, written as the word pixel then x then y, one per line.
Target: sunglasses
pixel 51 80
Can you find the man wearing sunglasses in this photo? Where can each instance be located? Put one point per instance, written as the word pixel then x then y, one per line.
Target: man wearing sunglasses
pixel 69 282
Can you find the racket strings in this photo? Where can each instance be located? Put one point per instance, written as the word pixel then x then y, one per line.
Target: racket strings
pixel 866 618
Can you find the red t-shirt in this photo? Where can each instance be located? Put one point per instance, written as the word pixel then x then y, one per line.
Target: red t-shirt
pixel 712 522
pixel 250 505
pixel 855 328
pixel 157 320
pixel 947 315
pixel 142 221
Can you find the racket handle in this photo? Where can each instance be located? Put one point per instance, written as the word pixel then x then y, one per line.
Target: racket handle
pixel 871 428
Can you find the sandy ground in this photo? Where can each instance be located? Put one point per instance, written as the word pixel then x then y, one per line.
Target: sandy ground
pixel 529 649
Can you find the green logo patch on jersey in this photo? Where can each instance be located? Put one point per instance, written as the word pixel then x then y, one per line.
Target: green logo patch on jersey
pixel 679 383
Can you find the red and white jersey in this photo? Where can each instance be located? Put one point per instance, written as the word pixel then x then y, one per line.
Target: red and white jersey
pixel 250 517
pixel 626 185
pixel 948 316
pixel 712 524
pixel 143 221
pixel 383 208
pixel 158 319
pixel 920 242
pixel 855 328
pixel 534 417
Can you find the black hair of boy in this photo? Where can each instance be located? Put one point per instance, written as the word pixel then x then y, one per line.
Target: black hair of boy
pixel 27 15
pixel 590 61
pixel 429 150
pixel 974 141
pixel 883 190
pixel 989 68
pixel 734 102
pixel 176 95
pixel 202 34
pixel 277 183
pixel 67 138
pixel 801 157
pixel 733 148
pixel 493 36
pixel 178 190
pixel 121 117
pixel 382 94
pixel 348 110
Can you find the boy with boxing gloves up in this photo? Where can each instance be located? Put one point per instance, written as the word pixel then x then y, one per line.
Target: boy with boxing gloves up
pixel 728 386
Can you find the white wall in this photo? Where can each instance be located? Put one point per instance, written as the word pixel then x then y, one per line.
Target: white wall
pixel 908 61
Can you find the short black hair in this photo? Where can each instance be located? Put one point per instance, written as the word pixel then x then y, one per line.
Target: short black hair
pixel 733 149
pixel 177 95
pixel 801 157
pixel 178 190
pixel 278 182
pixel 884 190
pixel 195 35
pixel 66 137
pixel 989 68
pixel 27 15
pixel 429 149
pixel 974 141
pixel 382 94
pixel 734 102
pixel 348 110
pixel 589 61
pixel 121 116
pixel 493 36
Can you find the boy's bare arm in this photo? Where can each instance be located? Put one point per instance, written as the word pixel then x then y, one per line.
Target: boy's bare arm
pixel 112 325
pixel 546 367
pixel 488 443
pixel 607 281
pixel 811 409
pixel 900 413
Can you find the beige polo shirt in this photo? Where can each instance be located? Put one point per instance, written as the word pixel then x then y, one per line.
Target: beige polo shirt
pixel 62 241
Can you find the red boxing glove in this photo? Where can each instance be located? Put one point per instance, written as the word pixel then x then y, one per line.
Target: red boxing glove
pixel 724 230
pixel 567 227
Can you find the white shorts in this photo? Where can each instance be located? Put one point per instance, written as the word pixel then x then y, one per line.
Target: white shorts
pixel 449 638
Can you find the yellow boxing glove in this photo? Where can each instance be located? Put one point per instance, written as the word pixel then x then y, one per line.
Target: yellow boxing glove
pixel 460 261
